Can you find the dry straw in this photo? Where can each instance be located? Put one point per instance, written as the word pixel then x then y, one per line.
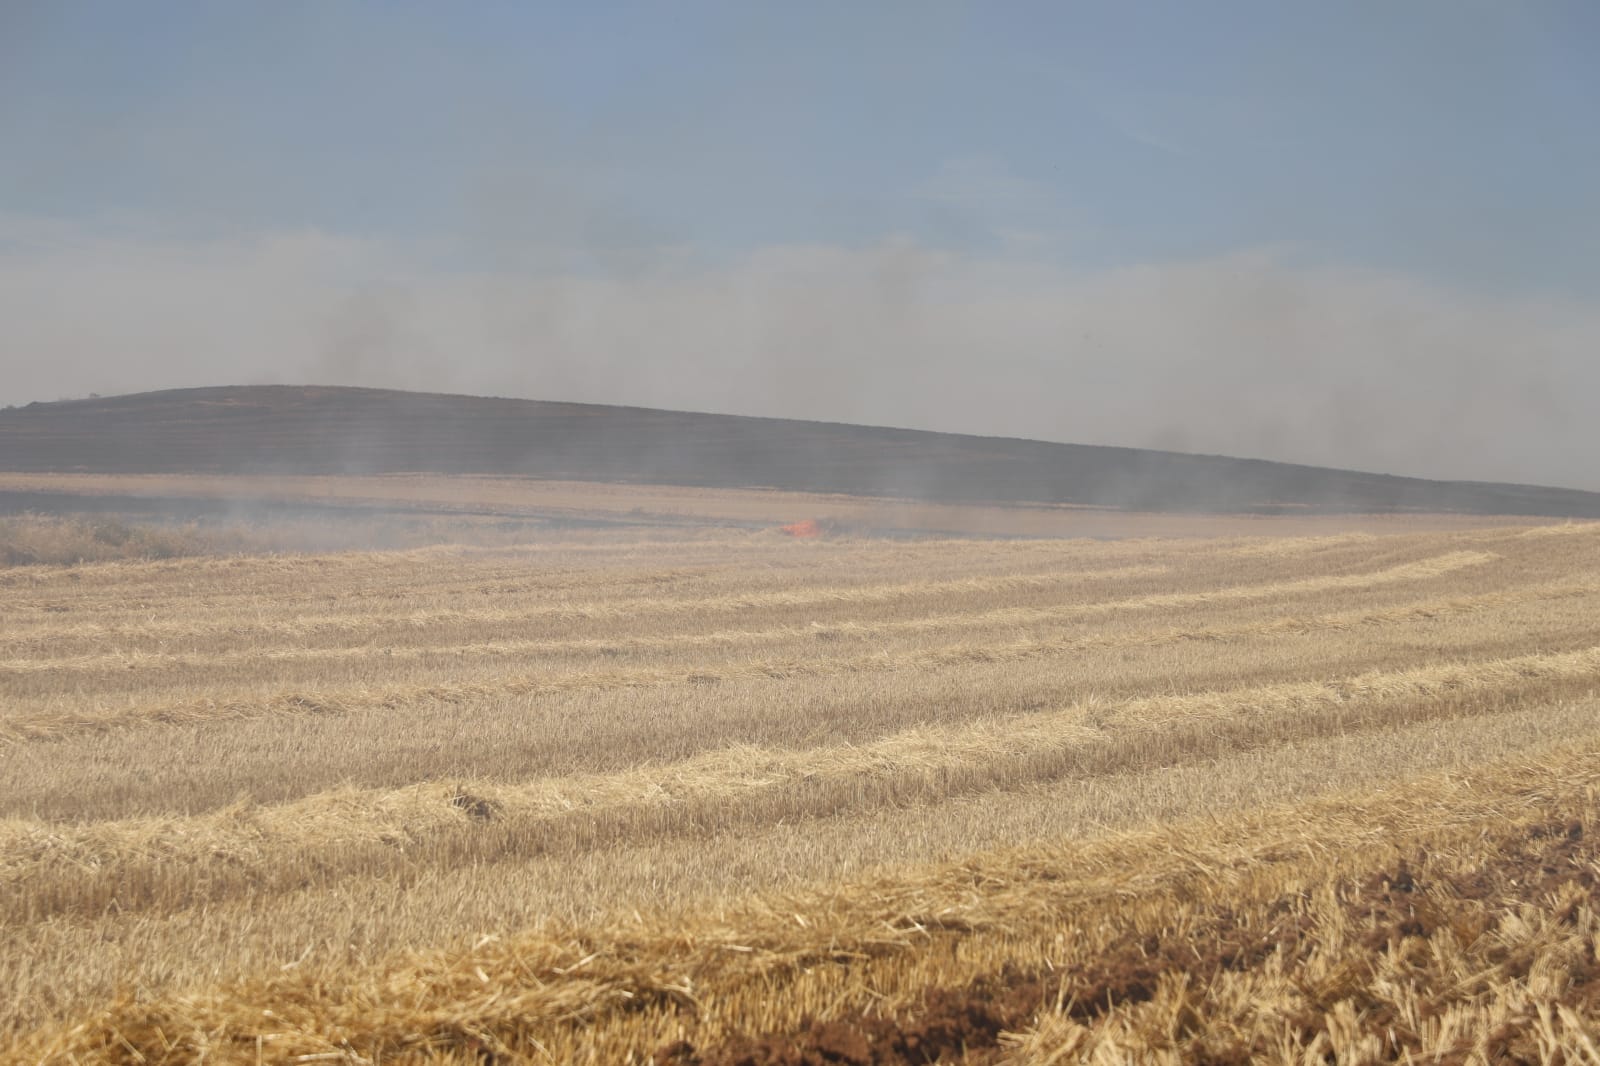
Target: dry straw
pixel 454 740
pixel 1452 968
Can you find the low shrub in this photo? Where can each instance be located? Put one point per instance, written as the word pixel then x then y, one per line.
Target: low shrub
pixel 31 540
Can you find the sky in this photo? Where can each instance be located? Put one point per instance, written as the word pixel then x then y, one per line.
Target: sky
pixel 1360 234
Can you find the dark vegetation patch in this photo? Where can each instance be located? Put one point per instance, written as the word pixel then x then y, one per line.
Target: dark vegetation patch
pixel 314 430
pixel 29 540
pixel 477 808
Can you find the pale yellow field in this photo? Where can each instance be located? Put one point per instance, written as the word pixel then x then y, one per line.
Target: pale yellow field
pixel 655 794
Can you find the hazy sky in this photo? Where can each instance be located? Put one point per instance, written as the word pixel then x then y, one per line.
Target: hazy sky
pixel 1359 234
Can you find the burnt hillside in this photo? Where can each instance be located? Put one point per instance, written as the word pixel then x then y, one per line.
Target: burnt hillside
pixel 316 430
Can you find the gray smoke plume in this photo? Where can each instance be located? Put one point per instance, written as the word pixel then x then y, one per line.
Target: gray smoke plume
pixel 1252 354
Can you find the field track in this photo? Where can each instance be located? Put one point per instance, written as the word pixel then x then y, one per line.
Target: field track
pixel 722 796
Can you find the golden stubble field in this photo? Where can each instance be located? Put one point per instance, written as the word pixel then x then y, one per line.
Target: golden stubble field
pixel 710 796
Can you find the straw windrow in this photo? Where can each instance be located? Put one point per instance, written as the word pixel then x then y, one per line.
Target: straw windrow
pixel 705 796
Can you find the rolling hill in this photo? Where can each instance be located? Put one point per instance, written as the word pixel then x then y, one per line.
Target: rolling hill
pixel 335 430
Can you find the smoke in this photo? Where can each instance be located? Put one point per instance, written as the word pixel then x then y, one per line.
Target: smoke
pixel 1255 354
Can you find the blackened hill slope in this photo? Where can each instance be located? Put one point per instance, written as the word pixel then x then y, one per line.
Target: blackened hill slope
pixel 317 430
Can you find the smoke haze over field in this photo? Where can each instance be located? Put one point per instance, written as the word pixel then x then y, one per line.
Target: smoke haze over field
pixel 1244 355
pixel 1222 241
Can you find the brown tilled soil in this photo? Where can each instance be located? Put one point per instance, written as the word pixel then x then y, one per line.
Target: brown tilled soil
pixel 1400 908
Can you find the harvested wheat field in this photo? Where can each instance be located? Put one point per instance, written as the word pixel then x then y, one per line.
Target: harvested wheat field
pixel 701 795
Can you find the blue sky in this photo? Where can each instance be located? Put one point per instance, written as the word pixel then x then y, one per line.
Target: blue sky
pixel 1421 173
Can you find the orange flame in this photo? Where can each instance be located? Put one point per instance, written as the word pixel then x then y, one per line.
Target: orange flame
pixel 808 527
